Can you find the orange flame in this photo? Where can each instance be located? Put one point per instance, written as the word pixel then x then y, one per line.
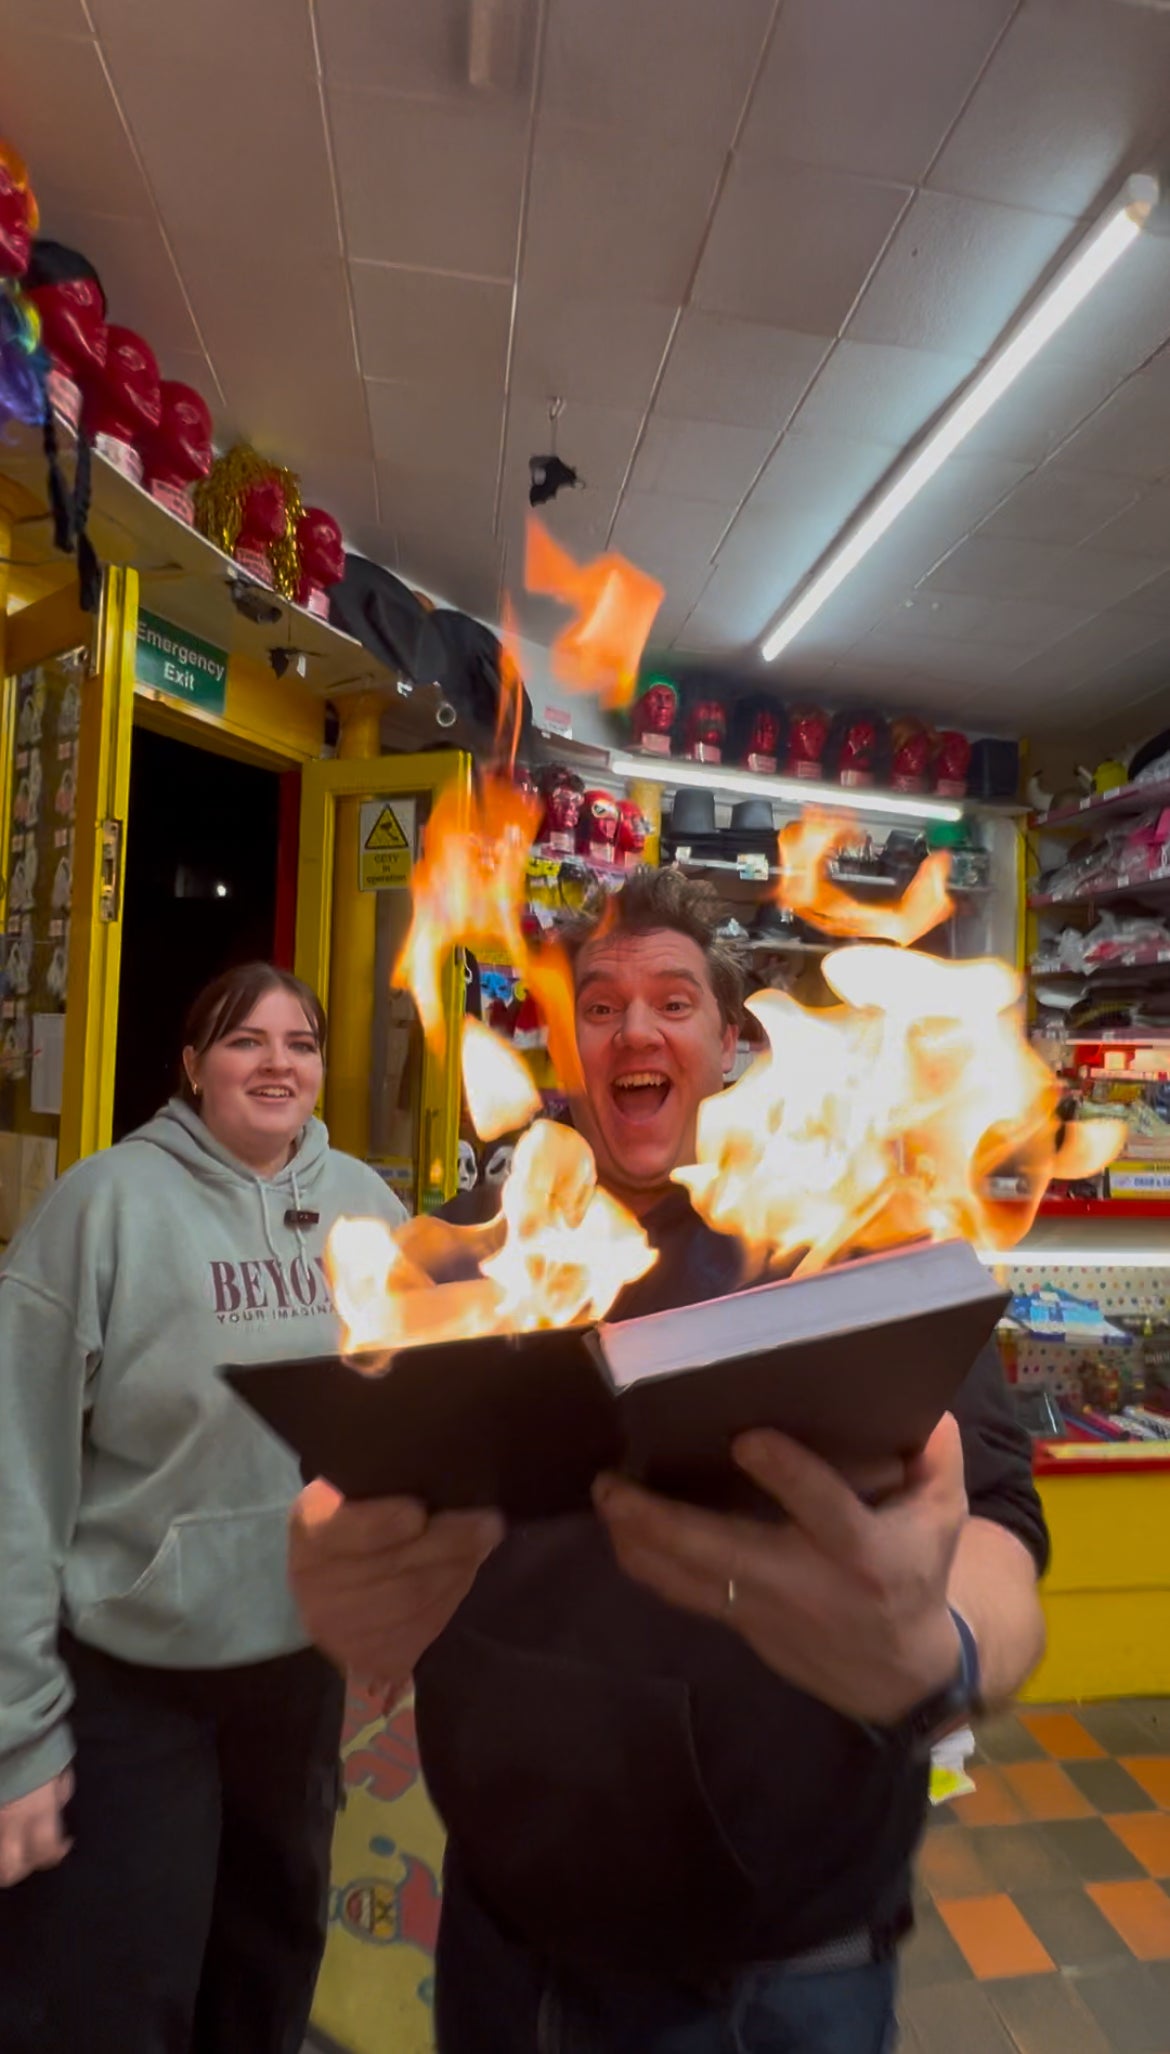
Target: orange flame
pixel 615 604
pixel 806 889
pixel 917 1108
pixel 565 1251
pixel 468 889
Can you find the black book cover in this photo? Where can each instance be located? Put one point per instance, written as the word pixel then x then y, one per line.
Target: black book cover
pixel 858 1364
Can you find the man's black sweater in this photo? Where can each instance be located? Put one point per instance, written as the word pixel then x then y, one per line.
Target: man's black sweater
pixel 627 1784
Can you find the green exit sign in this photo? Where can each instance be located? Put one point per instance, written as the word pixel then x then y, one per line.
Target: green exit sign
pixel 169 660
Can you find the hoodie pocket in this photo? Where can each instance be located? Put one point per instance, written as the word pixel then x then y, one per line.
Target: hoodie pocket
pixel 215 1593
pixel 574 1798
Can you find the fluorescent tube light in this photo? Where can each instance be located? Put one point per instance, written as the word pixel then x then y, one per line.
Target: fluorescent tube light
pixel 1072 285
pixel 795 791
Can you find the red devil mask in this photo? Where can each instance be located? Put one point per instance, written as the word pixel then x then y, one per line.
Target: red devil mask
pixel 951 764
pixel 69 298
pixel 632 829
pixel 18 215
pixel 126 401
pixel 179 450
pixel 808 731
pixel 598 826
pixel 322 554
pixel 654 716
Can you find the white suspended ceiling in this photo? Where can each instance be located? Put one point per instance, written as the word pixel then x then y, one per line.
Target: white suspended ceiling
pixel 752 244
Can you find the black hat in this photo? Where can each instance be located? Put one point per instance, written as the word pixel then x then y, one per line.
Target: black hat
pixel 693 813
pixel 54 263
pixel 382 613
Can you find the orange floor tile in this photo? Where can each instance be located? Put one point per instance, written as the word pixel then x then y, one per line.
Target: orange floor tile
pixel 991 1803
pixel 1140 1912
pixel 1063 1736
pixel 996 1939
pixel 1147 1836
pixel 1045 1792
pixel 1152 1771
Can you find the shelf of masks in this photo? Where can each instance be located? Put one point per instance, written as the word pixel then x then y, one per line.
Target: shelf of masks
pixel 188 581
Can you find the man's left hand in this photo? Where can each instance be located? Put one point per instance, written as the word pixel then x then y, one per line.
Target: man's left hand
pixel 845 1601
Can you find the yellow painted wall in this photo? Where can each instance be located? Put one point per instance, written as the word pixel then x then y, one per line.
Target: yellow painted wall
pixel 266 720
pixel 1107 1600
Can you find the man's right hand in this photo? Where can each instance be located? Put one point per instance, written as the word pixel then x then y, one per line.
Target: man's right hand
pixel 377 1582
pixel 32 1830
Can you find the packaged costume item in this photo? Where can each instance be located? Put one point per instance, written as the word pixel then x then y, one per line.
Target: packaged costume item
pixel 706 729
pixel 177 453
pixel 564 795
pixel 757 725
pixel 124 407
pixel 912 753
pixel 952 763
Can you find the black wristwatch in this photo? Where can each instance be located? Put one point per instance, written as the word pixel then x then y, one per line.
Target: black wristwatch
pixel 944 1709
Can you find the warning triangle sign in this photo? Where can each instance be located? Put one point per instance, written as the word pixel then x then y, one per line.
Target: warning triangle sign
pixel 386 833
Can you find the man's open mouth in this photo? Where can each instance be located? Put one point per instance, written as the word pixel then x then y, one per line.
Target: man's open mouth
pixel 640 1094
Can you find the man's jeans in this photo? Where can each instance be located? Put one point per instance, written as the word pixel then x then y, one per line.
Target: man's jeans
pixel 495 1997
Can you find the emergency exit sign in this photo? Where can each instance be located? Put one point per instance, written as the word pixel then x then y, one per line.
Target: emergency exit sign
pixel 169 660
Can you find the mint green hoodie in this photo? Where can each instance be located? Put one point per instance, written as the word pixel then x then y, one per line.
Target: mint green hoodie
pixel 139 1499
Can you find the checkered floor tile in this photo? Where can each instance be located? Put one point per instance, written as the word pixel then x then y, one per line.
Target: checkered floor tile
pixel 1044 1897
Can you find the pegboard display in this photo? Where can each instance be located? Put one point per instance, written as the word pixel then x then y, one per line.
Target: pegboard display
pixel 1121 1294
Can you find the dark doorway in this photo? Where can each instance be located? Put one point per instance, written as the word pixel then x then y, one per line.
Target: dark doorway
pixel 199 896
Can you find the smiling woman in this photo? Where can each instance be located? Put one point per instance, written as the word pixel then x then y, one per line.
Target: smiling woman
pixel 156 1686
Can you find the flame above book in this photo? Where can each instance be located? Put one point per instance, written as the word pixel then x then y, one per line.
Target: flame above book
pixel 912 1109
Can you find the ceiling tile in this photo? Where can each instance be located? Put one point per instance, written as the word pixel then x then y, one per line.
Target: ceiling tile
pixel 966 663
pixel 881 393
pixel 1058 504
pixel 600 54
pixel 953 503
pixel 870 89
pixel 664 534
pixel 602 350
pixel 1144 527
pixel 1074 91
pixel 1128 436
pixel 821 480
pixel 265 33
pixel 435 187
pixel 615 214
pixel 288 409
pixel 54 17
pixel 1086 578
pixel 793 247
pixel 140 281
pixel 423 52
pixel 56 107
pixel 1152 600
pixel 347 489
pixel 957 272
pixel 1051 399
pixel 423 495
pixel 1023 624
pixel 1095 647
pixel 270 190
pixel 737 371
pixel 700 459
pixel 422 427
pixel 423 325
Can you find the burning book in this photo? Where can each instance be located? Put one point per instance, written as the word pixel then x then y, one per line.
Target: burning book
pixel 858 1364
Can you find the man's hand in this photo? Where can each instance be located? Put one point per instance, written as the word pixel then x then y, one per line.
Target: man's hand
pixel 377 1582
pixel 845 1602
pixel 32 1830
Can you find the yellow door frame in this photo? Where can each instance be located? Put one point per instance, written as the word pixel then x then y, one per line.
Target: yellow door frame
pixel 95 928
pixel 322 786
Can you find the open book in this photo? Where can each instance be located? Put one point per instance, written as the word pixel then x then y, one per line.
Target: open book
pixel 859 1364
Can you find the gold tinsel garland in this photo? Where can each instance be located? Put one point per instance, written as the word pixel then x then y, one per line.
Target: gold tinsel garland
pixel 219 505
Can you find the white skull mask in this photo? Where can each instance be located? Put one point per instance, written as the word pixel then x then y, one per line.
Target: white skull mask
pixel 468 1170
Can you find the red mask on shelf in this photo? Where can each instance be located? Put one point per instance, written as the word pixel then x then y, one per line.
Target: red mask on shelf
pixel 764 741
pixel 654 716
pixel 858 752
pixel 808 731
pixel 322 558
pixel 598 825
pixel 179 452
pixel 632 828
pixel 706 730
pixel 72 307
pixel 18 215
pixel 525 781
pixel 911 756
pixel 125 406
pixel 951 764
pixel 263 519
pixel 563 799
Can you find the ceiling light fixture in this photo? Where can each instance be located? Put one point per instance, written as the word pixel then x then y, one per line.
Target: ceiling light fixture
pixel 1073 283
pixel 794 791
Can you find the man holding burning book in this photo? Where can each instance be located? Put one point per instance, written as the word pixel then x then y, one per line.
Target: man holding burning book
pixel 681 1754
